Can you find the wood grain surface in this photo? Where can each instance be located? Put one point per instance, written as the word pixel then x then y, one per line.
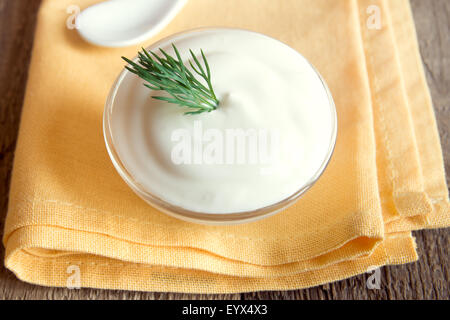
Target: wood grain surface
pixel 426 279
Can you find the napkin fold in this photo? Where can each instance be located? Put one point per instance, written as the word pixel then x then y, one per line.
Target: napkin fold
pixel 69 208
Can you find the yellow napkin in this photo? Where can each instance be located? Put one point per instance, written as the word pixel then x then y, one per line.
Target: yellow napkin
pixel 68 206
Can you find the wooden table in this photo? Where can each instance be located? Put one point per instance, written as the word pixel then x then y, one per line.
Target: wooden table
pixel 426 279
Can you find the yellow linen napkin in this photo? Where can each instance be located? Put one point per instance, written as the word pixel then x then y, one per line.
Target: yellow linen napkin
pixel 69 207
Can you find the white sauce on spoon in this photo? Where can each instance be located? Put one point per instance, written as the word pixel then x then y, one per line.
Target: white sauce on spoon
pixel 261 84
pixel 118 23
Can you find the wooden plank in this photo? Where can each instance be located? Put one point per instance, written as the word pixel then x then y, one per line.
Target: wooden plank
pixel 426 279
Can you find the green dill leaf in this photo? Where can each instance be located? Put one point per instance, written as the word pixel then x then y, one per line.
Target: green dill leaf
pixel 170 74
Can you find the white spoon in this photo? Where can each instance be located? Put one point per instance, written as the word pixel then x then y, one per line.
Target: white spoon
pixel 119 23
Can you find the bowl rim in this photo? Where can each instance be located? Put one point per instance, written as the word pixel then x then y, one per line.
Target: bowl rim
pixel 194 216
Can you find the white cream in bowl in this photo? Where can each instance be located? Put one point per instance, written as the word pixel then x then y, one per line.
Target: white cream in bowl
pixel 267 91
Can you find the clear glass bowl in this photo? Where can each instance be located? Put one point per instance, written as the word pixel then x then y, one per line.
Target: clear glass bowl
pixel 193 216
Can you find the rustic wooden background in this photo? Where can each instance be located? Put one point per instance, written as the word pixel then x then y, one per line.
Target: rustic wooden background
pixel 426 279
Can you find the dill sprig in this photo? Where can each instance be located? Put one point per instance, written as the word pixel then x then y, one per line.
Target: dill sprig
pixel 169 74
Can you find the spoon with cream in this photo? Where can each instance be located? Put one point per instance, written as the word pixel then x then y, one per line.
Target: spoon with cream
pixel 119 23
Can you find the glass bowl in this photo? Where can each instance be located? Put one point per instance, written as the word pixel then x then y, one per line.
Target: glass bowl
pixel 194 216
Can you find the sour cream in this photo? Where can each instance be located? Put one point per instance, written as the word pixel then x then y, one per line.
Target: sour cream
pixel 269 94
